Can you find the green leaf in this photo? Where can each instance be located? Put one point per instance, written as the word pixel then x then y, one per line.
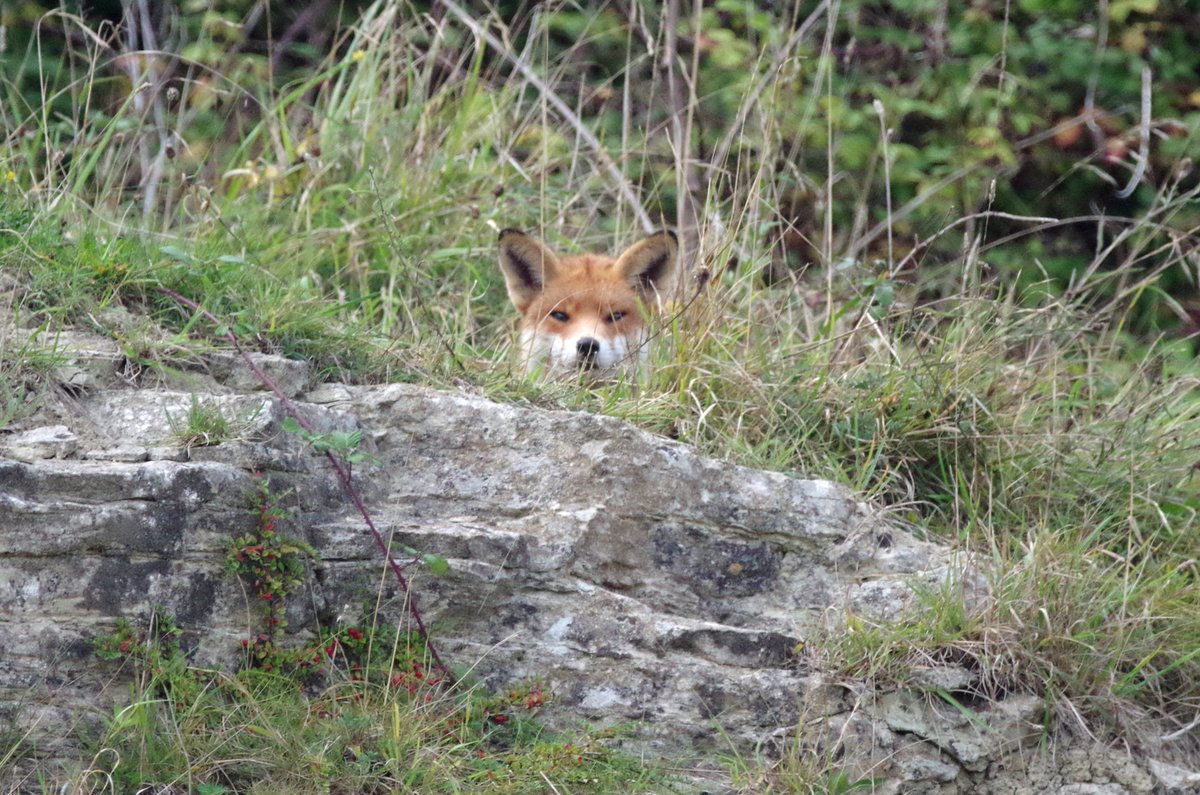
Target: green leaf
pixel 450 253
pixel 174 252
pixel 291 425
pixel 345 440
pixel 1119 10
pixel 885 294
pixel 436 563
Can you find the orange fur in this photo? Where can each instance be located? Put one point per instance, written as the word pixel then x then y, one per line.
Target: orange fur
pixel 586 312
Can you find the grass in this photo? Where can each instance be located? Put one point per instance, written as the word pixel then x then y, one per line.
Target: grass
pixel 348 218
pixel 204 424
pixel 378 722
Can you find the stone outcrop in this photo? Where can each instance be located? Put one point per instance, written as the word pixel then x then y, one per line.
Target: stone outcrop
pixel 642 583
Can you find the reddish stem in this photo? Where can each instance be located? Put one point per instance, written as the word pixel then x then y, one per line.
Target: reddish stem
pixel 338 467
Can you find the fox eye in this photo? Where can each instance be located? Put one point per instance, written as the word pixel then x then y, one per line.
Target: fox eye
pixel 561 317
pixel 615 316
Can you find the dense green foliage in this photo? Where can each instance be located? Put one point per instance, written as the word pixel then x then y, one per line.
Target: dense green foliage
pixel 1033 108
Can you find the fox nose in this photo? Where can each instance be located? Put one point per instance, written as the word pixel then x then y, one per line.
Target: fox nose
pixel 587 348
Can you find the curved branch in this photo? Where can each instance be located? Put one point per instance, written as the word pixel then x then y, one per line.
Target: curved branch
pixel 342 472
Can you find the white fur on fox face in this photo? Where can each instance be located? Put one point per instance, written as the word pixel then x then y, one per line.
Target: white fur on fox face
pixel 586 313
pixel 562 354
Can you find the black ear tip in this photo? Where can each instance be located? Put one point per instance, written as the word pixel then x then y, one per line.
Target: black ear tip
pixel 671 234
pixel 510 231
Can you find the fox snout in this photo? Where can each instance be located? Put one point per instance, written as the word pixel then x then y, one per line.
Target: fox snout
pixel 580 352
pixel 593 354
pixel 586 351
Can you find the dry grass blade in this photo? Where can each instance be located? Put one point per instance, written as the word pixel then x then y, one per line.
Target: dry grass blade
pixel 624 188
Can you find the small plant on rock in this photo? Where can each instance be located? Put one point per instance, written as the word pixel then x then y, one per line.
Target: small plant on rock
pixel 156 654
pixel 343 444
pixel 204 425
pixel 274 566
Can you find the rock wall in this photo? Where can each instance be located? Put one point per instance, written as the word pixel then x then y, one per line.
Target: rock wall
pixel 637 579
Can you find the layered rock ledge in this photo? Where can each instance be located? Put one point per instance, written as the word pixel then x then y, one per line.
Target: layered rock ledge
pixel 642 583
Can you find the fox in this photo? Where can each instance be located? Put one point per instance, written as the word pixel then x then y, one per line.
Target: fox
pixel 585 314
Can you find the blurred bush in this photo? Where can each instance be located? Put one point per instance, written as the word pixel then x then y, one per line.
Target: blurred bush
pixel 1031 108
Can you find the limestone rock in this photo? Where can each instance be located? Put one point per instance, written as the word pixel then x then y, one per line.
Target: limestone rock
pixel 52 441
pixel 642 583
pixel 81 360
pixel 1174 780
pixel 127 453
pixel 231 369
pixel 972 737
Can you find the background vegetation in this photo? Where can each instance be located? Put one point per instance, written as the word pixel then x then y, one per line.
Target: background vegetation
pixel 943 253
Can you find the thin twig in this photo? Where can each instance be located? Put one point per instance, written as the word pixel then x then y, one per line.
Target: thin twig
pixel 146 81
pixel 138 84
pixel 1143 155
pixel 685 209
pixel 885 135
pixel 1175 735
pixel 827 243
pixel 307 20
pixel 623 185
pixel 988 214
pixel 908 208
pixel 1089 97
pixel 338 467
pixel 767 79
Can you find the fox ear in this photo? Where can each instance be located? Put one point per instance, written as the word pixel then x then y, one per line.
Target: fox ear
pixel 648 264
pixel 527 266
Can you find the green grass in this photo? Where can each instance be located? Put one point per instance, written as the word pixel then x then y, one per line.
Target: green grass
pixel 377 723
pixel 1049 432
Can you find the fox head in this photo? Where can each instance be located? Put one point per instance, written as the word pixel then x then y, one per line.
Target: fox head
pixel 584 313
